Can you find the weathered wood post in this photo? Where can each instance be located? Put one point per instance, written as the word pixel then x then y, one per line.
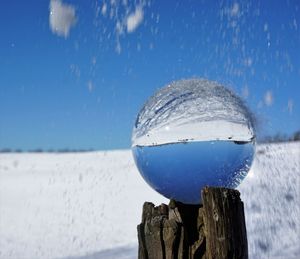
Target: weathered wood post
pixel 214 230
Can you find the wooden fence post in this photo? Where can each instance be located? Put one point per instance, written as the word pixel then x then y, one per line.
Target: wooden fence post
pixel 214 230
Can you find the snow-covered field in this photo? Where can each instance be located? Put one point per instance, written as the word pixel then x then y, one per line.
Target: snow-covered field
pixel 87 205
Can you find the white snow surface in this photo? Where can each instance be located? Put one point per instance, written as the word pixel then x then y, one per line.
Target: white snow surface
pixel 87 205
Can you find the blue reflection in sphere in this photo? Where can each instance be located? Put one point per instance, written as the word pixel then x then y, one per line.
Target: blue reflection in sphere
pixel 190 134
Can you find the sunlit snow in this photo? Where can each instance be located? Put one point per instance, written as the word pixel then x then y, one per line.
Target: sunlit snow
pixel 87 205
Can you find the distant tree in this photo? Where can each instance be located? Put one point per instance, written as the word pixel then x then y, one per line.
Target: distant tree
pixel 5 150
pixel 279 137
pixel 296 136
pixel 37 150
pixel 63 150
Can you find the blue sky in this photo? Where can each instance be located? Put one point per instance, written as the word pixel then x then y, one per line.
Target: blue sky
pixel 79 80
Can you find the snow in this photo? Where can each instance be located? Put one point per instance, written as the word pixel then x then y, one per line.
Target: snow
pixel 271 195
pixel 87 205
pixel 135 19
pixel 61 18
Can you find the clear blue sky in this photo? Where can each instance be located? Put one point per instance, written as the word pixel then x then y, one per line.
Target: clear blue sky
pixel 83 87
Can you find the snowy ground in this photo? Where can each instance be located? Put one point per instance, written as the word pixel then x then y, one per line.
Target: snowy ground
pixel 83 206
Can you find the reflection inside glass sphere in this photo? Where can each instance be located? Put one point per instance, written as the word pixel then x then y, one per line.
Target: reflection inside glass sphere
pixel 190 134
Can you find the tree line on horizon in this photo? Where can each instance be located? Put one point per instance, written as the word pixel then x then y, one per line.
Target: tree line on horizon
pixel 41 150
pixel 278 137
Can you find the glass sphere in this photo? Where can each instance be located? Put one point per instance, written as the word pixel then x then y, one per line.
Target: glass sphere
pixel 191 134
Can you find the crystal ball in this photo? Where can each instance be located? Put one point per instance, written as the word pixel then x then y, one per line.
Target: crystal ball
pixel 191 134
